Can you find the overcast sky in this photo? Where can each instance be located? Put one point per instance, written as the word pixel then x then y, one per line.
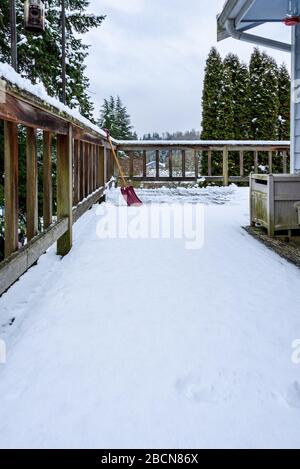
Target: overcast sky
pixel 152 53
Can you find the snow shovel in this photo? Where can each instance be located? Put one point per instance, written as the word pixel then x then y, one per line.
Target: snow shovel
pixel 128 192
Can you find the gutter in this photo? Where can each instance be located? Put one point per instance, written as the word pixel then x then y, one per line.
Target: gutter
pixel 253 39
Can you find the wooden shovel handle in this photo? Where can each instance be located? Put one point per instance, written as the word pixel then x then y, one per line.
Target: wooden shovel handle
pixel 116 160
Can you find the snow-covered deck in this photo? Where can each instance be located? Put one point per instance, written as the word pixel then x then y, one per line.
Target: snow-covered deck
pixel 142 343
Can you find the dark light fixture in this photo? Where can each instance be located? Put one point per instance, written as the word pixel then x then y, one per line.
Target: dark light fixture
pixel 34 14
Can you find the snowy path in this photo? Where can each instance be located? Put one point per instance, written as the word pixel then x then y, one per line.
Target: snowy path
pixel 145 344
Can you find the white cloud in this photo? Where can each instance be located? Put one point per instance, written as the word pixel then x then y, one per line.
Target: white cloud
pixel 155 58
pixel 128 6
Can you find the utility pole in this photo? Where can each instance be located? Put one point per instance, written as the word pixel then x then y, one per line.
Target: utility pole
pixel 63 50
pixel 13 34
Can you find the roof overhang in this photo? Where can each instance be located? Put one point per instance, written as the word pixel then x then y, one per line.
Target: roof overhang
pixel 248 14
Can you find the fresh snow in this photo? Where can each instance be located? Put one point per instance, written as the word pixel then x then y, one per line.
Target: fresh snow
pixel 142 343
pixel 7 73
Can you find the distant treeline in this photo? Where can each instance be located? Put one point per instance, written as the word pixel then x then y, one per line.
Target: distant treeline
pixel 187 135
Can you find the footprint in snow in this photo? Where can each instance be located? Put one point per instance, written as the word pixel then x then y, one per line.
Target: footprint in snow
pixel 194 388
pixel 293 395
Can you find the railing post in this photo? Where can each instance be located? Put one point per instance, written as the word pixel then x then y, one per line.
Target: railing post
pixel 183 160
pixel 31 184
pixel 196 160
pixel 82 171
pixel 255 161
pixel 209 163
pixel 284 162
pixel 86 170
pixel 131 165
pixel 11 189
pixel 64 189
pixel 157 163
pixel 90 153
pixel 76 173
pixel 241 163
pixel 101 167
pixel 225 167
pixel 47 179
pixel 105 166
pixel 144 164
pixel 170 164
pixel 270 161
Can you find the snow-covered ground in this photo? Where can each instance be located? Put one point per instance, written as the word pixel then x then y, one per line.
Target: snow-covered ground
pixel 142 343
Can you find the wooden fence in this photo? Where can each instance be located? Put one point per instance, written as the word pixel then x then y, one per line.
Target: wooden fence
pixel 83 163
pixel 141 161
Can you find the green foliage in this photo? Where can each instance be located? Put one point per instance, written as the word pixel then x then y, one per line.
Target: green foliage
pixel 264 96
pixel 115 118
pixel 211 96
pixel 39 56
pixel 244 103
pixel 284 96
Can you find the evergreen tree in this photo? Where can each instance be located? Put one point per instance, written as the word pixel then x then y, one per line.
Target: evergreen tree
pixel 39 56
pixel 240 92
pixel 213 83
pixel 225 129
pixel 264 96
pixel 115 118
pixel 284 96
pixel 122 121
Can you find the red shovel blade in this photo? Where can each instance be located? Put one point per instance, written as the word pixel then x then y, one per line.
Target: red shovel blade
pixel 130 196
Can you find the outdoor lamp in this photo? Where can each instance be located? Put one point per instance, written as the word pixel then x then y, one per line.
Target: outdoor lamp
pixel 292 18
pixel 34 13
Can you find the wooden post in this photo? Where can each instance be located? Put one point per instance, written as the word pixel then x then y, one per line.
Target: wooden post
pixel 144 164
pixel 256 162
pixel 284 162
pixel 157 163
pixel 183 161
pixel 97 181
pixel 11 189
pixel 76 173
pixel 90 168
pixel 31 184
pixel 86 169
pixel 270 161
pixel 241 163
pixel 82 171
pixel 225 167
pixel 95 166
pixel 47 179
pixel 64 189
pixel 196 160
pixel 170 164
pixel 209 163
pixel 101 166
pixel 131 165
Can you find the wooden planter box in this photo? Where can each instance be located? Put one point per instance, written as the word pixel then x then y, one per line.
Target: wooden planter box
pixel 275 203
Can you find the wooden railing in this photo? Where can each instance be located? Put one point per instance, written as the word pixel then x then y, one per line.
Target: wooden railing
pixel 149 161
pixel 51 138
